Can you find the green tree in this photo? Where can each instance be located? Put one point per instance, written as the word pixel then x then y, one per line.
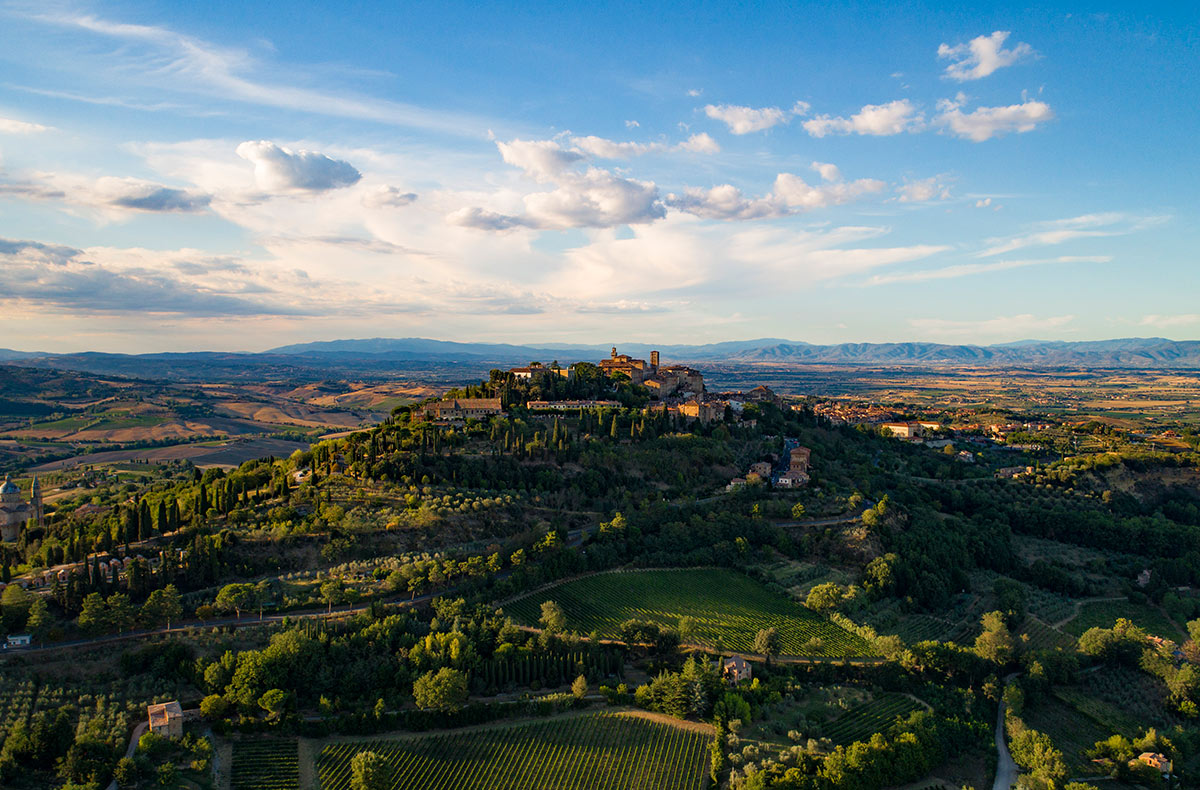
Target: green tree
pixel 766 643
pixel 553 618
pixel 120 612
pixel 687 629
pixel 444 690
pixel 16 602
pixel 39 620
pixel 995 643
pixel 825 597
pixel 126 772
pixel 332 591
pixel 580 687
pixel 798 511
pixel 369 771
pixel 162 606
pixel 93 617
pixel 235 597
pixel 274 702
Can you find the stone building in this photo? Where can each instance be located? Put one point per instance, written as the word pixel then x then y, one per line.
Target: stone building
pixel 14 513
pixel 462 408
pixel 166 719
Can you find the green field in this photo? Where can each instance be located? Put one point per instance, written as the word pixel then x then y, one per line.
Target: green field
pixel 591 751
pixel 728 607
pixel 1103 614
pixel 860 723
pixel 1042 636
pixel 265 765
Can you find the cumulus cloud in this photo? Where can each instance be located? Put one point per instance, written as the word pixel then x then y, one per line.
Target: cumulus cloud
pixel 483 219
pixel 982 56
pixel 744 120
pixel 595 198
pixel 11 126
pixel 699 144
pixel 873 119
pixel 827 171
pixel 984 123
pixel 791 195
pixel 923 190
pixel 388 197
pixel 277 168
pixel 541 160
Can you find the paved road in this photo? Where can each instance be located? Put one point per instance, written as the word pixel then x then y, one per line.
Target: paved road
pixel 1006 769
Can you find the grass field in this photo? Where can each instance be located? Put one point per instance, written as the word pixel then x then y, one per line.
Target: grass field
pixel 265 765
pixel 1103 614
pixel 728 608
pixel 860 723
pixel 592 751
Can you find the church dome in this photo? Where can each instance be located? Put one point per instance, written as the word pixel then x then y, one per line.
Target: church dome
pixel 9 487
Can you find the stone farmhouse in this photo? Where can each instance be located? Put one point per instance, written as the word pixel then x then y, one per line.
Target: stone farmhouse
pixel 166 719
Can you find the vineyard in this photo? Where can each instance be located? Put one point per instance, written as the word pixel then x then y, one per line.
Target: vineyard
pixel 863 721
pixel 727 607
pixel 591 751
pixel 1102 614
pixel 1042 636
pixel 265 765
pixel 1072 731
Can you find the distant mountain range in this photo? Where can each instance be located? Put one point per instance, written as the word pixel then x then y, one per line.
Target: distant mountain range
pixel 383 357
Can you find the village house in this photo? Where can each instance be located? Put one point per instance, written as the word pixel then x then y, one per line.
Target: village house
pixel 538 371
pixel 571 405
pixel 1155 760
pixel 735 670
pixel 166 719
pixel 904 430
pixel 18 640
pixel 462 409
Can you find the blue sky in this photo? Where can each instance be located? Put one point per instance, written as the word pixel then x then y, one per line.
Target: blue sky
pixel 240 175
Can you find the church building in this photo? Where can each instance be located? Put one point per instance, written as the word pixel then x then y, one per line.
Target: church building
pixel 14 513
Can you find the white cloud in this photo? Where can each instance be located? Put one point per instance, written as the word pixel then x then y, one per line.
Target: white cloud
pixel 969 269
pixel 873 119
pixel 984 123
pixel 1170 321
pixel 983 202
pixel 1001 328
pixel 694 92
pixel 632 124
pixel 744 120
pixel 186 63
pixel 791 194
pixel 596 198
pixel 542 160
pixel 11 126
pixel 699 144
pixel 923 190
pixel 982 56
pixel 611 149
pixel 828 172
pixel 1087 226
pixel 281 169
pixel 113 197
pixel 388 197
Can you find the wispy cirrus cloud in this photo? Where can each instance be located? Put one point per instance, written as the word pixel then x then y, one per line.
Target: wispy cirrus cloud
pixel 982 56
pixel 110 195
pixel 188 64
pixel 1086 226
pixel 1000 328
pixel 971 269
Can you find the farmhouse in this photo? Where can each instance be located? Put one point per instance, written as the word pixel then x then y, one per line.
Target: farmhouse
pixel 904 430
pixel 166 719
pixel 18 640
pixel 735 670
pixel 1159 762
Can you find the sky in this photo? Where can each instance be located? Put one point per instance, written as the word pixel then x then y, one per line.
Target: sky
pixel 238 176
